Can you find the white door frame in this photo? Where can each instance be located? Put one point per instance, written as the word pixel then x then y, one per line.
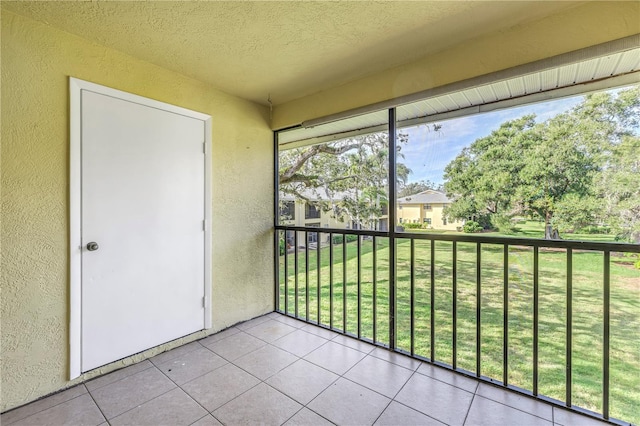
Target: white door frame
pixel 76 87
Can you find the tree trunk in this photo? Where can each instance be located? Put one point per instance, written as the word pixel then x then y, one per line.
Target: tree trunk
pixel 549 232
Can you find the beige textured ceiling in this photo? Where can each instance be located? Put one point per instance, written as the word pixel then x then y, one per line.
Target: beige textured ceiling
pixel 286 49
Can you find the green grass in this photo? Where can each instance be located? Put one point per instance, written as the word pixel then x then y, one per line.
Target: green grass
pixel 587 302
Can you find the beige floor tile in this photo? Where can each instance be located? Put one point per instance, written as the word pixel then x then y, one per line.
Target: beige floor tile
pixel 78 411
pixel 302 381
pixel 118 375
pixel 219 336
pixel 567 418
pixel 335 357
pixel 514 400
pixel 252 322
pixel 354 343
pixel 396 358
pixel 270 330
pixel 289 321
pixel 347 403
pixel 41 404
pixel 485 412
pixel 175 353
pixel 444 375
pixel 260 405
pixel 220 386
pixel 380 376
pixel 266 361
pixel 208 420
pixel 123 395
pixel 235 346
pixel 320 331
pixel 174 408
pixel 191 365
pixel 300 342
pixel 436 399
pixel 398 414
pixel 306 417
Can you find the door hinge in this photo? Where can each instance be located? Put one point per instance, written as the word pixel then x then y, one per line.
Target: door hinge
pixel 204 147
pixel 204 301
pixel 204 225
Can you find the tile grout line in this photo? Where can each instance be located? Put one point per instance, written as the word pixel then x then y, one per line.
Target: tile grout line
pixel 185 392
pixel 405 405
pixel 44 409
pixel 469 409
pixel 99 409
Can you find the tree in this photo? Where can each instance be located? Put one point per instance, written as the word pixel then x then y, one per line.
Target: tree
pixel 619 190
pixel 551 169
pixel 349 176
pixel 412 188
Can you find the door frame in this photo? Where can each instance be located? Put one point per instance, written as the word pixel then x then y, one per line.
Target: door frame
pixel 76 86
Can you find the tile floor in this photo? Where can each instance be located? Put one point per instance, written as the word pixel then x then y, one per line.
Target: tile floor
pixel 276 370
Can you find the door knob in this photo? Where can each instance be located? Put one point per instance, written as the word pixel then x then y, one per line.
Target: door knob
pixel 92 246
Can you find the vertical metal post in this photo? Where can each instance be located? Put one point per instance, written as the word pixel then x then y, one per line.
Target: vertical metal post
pixel 478 309
pixel 432 298
pixel 568 368
pixel 392 227
pixel 359 285
pixel 276 270
pixel 375 289
pixel 276 220
pixel 286 274
pixel 412 297
pixel 318 267
pixel 606 336
pixel 505 317
pixel 454 306
pixel 295 267
pixel 331 280
pixel 306 276
pixel 344 283
pixel 536 319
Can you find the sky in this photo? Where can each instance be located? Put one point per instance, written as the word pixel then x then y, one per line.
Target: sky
pixel 428 152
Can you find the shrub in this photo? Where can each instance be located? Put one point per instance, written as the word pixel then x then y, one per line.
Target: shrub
pixel 503 224
pixel 337 239
pixel 471 227
pixel 593 229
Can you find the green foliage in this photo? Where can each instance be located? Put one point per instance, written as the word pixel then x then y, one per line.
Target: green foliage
pixel 471 227
pixel 504 224
pixel 578 168
pixel 337 239
pixel 417 187
pixel 619 188
pixel 283 247
pixel 350 176
pixel 593 230
pixel 421 225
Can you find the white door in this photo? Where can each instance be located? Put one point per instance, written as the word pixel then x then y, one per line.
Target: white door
pixel 142 237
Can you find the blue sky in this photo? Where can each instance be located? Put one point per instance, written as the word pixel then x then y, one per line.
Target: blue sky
pixel 427 153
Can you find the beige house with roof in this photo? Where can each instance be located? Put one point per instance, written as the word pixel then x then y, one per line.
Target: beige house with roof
pixel 426 208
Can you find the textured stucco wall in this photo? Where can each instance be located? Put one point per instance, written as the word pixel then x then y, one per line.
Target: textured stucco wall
pixel 36 63
pixel 575 28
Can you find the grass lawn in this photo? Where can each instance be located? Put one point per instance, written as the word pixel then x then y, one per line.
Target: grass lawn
pixel 587 312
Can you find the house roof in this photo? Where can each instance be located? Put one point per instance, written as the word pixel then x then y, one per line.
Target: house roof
pixel 426 197
pixel 285 49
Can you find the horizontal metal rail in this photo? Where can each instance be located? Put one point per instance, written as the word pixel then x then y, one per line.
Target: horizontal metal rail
pixel 471 238
pixel 340 282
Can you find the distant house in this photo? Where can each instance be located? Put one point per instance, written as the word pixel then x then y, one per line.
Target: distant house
pixel 426 208
pixel 299 212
